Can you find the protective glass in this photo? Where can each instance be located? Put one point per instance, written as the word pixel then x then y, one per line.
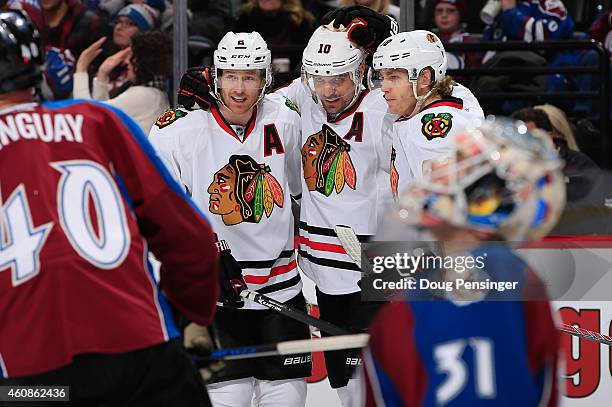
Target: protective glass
pixel 332 90
pixel 236 79
pixel 393 77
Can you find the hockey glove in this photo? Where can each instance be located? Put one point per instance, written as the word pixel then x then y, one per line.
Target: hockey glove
pixel 198 340
pixel 366 27
pixel 230 279
pixel 194 91
pixel 59 72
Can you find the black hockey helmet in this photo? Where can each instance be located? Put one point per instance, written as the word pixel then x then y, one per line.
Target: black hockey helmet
pixel 21 55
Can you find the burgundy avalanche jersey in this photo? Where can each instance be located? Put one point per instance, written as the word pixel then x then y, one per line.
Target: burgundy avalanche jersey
pixel 497 352
pixel 80 187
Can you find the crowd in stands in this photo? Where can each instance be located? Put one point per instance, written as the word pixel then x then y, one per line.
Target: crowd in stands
pixel 119 51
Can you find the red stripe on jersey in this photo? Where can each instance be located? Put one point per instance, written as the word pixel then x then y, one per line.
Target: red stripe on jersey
pixel 393 347
pixel 228 128
pixel 322 247
pixel 542 337
pixel 350 111
pixel 274 271
pixel 446 103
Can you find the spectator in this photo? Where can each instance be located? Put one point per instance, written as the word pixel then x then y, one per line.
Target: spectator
pixel 31 8
pixel 530 21
pixel 561 127
pixel 523 21
pixel 319 8
pixel 586 190
pixel 281 23
pixel 148 62
pixel 448 15
pixel 601 30
pixel 109 9
pixel 68 28
pixel 380 6
pixel 130 20
pixel 210 18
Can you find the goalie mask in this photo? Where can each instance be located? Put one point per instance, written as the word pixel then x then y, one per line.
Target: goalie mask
pixel 241 52
pixel 501 179
pixel 331 70
pixel 412 52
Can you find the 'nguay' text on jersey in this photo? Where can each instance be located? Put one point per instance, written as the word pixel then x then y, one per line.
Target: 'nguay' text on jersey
pixel 45 127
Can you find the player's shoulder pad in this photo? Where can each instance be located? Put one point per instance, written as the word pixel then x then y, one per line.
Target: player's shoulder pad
pixel 281 107
pixel 470 103
pixel 93 111
pixel 436 121
pixel 375 100
pixel 178 121
pixel 170 116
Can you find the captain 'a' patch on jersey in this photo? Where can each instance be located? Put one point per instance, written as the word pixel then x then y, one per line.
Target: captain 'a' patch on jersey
pixel 243 191
pixel 242 178
pixel 327 163
pixel 346 181
pixel 168 117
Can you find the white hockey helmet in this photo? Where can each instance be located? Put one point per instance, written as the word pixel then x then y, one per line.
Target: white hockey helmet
pixel 330 53
pixel 412 51
pixel 242 51
pixel 500 179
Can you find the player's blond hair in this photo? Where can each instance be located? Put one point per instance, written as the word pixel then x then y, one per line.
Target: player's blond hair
pixel 444 87
pixel 560 124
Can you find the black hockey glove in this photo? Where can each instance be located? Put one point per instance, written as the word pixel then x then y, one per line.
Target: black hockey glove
pixel 230 277
pixel 366 27
pixel 194 91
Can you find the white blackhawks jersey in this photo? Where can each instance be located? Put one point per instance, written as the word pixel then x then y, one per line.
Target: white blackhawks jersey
pixel 429 135
pixel 345 168
pixel 242 178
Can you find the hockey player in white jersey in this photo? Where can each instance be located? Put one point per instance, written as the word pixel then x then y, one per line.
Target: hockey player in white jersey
pixel 346 143
pixel 240 162
pixel 432 108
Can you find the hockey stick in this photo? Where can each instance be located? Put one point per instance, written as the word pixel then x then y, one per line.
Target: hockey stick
pixel 293 313
pixel 288 348
pixel 586 334
pixel 344 342
pixel 352 246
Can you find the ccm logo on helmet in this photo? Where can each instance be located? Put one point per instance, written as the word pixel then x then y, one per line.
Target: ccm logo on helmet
pixel 240 56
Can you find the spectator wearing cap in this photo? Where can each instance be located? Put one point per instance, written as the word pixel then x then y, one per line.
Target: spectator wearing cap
pixel 110 8
pixel 130 20
pixel 148 62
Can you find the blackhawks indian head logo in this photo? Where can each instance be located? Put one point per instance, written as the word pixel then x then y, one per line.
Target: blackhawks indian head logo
pixel 435 126
pixel 243 191
pixel 327 163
